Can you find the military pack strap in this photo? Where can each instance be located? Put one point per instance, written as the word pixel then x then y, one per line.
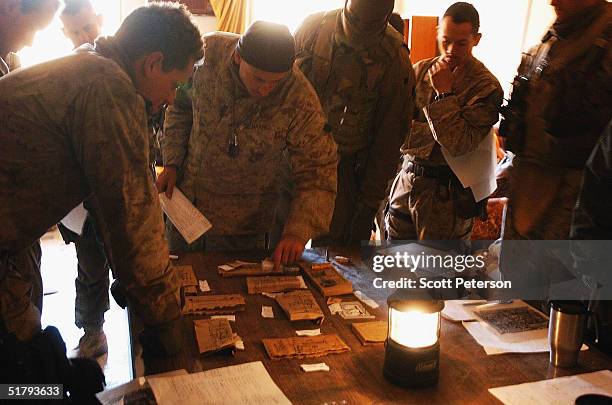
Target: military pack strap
pixel 322 47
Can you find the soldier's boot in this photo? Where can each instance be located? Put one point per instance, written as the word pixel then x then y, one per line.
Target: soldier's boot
pixel 92 344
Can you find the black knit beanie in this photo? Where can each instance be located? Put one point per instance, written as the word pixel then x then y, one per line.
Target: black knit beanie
pixel 267 46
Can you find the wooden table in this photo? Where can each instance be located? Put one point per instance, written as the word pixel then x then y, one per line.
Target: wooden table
pixel 466 372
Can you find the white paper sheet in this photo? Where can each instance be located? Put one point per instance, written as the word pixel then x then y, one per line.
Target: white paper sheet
pixel 190 222
pixel 204 287
pixel 558 391
pixel 246 384
pixel 533 341
pixel 308 332
pixel 75 220
pixel 314 367
pixel 267 312
pixel 474 169
pixel 365 299
pixel 460 310
pixel 134 388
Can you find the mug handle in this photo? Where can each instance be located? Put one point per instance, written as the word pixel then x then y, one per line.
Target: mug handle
pixel 595 319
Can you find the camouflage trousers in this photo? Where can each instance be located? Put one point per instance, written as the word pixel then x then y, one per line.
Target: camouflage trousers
pixel 92 281
pixel 21 291
pixel 420 208
pixel 215 243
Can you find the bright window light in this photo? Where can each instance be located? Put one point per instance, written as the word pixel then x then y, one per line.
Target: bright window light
pixel 290 13
pixel 50 43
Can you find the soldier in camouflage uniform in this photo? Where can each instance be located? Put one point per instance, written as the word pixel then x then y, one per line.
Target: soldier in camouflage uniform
pixel 561 102
pixel 248 104
pixel 360 69
pixel 457 102
pixel 81 25
pixel 77 126
pixel 19 21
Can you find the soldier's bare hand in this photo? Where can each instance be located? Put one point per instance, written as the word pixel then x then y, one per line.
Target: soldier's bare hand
pixel 441 77
pixel 166 181
pixel 288 250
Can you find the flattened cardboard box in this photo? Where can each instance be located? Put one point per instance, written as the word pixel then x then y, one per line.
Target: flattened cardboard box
pixel 370 333
pixel 187 275
pixel 213 304
pixel 305 346
pixel 327 280
pixel 300 305
pixel 274 284
pixel 214 335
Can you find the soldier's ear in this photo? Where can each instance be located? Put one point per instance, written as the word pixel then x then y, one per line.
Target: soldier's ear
pixel 477 38
pixel 153 64
pixel 237 58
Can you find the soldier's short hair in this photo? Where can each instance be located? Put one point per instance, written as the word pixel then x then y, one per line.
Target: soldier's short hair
pixel 28 6
pixel 73 7
pixel 462 12
pixel 164 27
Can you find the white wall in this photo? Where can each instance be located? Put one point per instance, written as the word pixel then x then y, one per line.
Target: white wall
pixel 206 23
pixel 502 24
pixel 288 12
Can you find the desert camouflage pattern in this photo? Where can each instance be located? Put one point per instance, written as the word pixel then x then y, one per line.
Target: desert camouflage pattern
pixel 569 103
pixel 239 194
pixel 367 95
pixel 425 209
pixel 72 128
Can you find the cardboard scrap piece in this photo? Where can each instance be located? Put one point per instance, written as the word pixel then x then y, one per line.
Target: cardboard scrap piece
pixel 300 305
pixel 327 280
pixel 187 275
pixel 213 304
pixel 214 335
pixel 190 289
pixel 370 333
pixel 273 284
pixel 350 310
pixel 239 268
pixel 304 346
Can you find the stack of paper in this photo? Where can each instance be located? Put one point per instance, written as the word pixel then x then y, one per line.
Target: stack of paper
pixel 190 222
pixel 247 384
pixel 135 392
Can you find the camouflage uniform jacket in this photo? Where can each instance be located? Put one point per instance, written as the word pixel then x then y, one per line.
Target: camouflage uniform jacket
pixel 569 101
pixel 239 194
pixel 461 121
pixel 366 93
pixel 76 127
